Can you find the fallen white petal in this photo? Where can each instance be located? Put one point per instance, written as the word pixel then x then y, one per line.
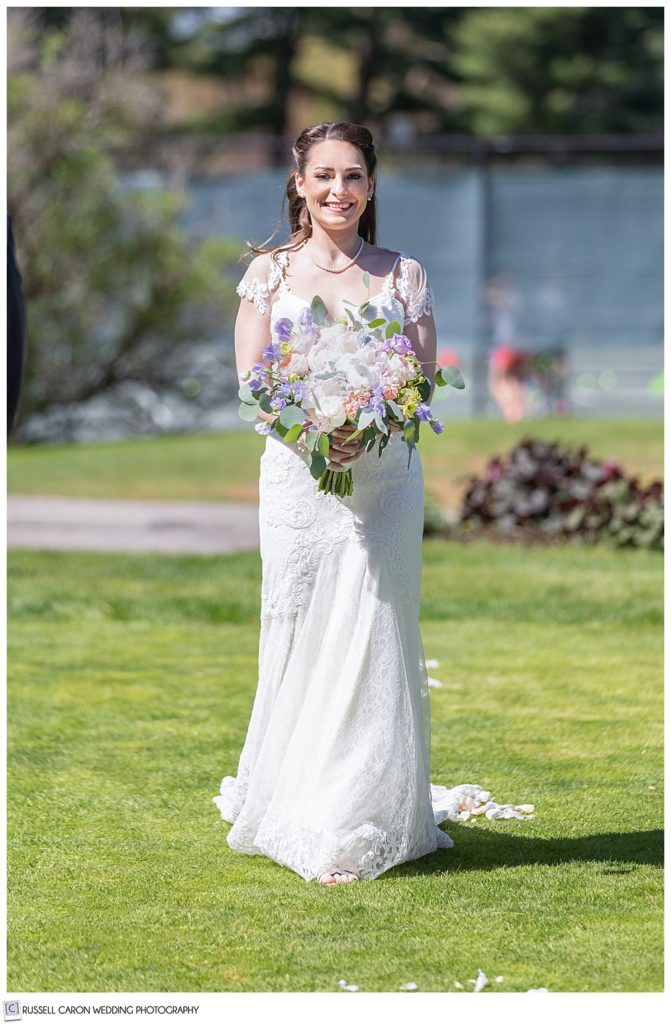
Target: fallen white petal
pixel 458 984
pixel 481 981
pixel 409 986
pixel 537 990
pixel 434 682
pixel 432 663
pixel 348 988
pixel 499 978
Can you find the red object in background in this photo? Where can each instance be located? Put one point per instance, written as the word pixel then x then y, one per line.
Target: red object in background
pixel 508 359
pixel 447 357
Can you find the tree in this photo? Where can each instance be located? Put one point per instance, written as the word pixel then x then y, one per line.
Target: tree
pixel 113 287
pixel 571 69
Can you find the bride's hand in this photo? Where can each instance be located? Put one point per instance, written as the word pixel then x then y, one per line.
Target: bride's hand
pixel 344 453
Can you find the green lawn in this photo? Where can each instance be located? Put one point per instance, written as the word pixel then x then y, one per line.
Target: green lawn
pixel 131 681
pixel 225 467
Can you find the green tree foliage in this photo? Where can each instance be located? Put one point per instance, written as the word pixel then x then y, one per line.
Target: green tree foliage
pixel 570 69
pixel 479 70
pixel 113 286
pixel 483 70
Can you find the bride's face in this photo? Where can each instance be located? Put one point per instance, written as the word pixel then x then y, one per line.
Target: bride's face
pixel 336 185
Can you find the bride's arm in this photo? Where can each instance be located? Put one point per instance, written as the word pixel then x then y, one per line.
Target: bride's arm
pixel 252 325
pixel 422 337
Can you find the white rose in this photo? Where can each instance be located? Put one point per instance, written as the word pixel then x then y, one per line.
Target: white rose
pixel 321 357
pixel 371 355
pixel 337 336
pixel 297 364
pixel 398 369
pixel 304 340
pixel 332 412
pixel 324 404
pixel 356 372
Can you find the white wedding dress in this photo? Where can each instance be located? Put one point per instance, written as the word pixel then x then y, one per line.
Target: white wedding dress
pixel 334 771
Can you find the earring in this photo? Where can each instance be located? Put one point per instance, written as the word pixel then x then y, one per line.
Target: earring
pixel 369 198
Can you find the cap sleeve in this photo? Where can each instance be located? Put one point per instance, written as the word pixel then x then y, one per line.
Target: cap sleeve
pixel 261 279
pixel 413 287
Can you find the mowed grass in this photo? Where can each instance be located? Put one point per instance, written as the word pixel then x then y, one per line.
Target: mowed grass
pixel 225 467
pixel 131 682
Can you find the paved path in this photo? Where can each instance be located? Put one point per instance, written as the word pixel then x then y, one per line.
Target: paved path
pixel 97 524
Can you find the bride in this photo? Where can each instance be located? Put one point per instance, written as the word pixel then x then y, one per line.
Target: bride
pixel 333 779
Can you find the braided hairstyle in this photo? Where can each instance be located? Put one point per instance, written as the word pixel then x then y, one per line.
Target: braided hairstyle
pixel 300 222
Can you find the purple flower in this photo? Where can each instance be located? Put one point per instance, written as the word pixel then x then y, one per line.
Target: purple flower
pixel 263 427
pixel 278 403
pixel 437 426
pixel 424 412
pixel 401 344
pixel 271 352
pixel 259 368
pixel 305 317
pixel 398 343
pixel 283 328
pixel 256 383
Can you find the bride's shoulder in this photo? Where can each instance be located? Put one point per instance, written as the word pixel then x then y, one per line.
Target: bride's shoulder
pixel 262 277
pixel 384 256
pixel 396 258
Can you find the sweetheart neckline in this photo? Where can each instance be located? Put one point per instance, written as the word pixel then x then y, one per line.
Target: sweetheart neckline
pixel 285 290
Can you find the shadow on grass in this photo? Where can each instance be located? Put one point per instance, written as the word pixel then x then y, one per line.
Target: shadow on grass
pixel 480 850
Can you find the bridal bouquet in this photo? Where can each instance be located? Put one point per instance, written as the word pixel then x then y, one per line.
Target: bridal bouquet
pixel 319 374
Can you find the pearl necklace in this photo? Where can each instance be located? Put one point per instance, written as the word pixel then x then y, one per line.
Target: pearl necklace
pixel 337 270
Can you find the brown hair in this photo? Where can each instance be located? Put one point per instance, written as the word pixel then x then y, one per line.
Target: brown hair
pixel 300 222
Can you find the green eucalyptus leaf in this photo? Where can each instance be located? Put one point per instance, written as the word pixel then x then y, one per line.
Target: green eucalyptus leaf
pixel 370 314
pixel 450 375
pixel 378 322
pixel 319 310
pixel 311 439
pixel 292 414
pixel 366 279
pixel 265 403
pixel 393 327
pixel 317 465
pixel 248 412
pixel 245 394
pixel 293 433
pixel 323 444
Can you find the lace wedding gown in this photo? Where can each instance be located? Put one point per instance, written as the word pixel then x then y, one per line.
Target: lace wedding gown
pixel 334 771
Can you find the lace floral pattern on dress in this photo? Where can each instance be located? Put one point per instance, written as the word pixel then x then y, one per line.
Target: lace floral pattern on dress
pixel 412 286
pixel 259 291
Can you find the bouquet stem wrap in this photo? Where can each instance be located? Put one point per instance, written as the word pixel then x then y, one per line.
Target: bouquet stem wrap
pixel 336 481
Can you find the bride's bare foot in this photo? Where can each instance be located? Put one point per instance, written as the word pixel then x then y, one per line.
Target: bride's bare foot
pixel 337 877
